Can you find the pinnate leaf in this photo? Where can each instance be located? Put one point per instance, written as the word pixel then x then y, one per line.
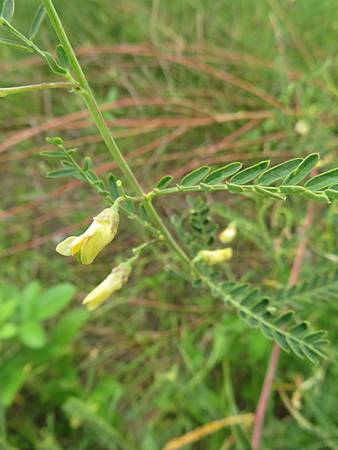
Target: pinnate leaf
pixel 303 169
pixel 218 175
pixel 324 180
pixel 195 177
pixel 7 10
pixel 37 21
pixel 275 173
pixel 164 182
pixel 250 173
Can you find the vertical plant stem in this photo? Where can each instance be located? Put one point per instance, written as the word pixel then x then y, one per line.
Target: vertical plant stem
pixel 102 126
pixel 3 433
pixel 275 353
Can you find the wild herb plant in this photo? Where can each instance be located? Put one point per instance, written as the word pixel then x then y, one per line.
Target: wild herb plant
pixel 194 244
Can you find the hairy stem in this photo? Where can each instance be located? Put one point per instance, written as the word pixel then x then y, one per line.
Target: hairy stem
pixel 102 126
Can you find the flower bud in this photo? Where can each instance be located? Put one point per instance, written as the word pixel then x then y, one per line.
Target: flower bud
pixel 228 234
pixel 302 127
pixel 114 282
pixel 212 257
pixel 97 236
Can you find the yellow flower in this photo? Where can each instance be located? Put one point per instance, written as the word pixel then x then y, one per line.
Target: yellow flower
pixel 114 281
pixel 99 234
pixel 228 234
pixel 212 257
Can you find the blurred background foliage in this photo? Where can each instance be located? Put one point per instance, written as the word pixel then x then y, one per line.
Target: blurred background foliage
pixel 162 358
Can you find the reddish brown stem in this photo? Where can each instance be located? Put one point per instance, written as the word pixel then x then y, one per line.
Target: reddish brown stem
pixel 275 353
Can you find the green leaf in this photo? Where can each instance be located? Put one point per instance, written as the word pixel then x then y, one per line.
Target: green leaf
pixel 275 173
pixel 320 287
pixel 299 329
pixel 87 163
pixel 68 327
pixel 67 172
pixel 52 154
pixel 8 331
pixel 53 65
pixel 14 44
pixel 281 341
pixel 27 302
pixel 302 170
pixel 284 319
pixel 195 177
pixel 261 306
pixel 249 174
pixel 315 336
pixel 112 186
pixel 57 141
pixel 8 308
pixel 288 334
pixel 37 21
pixel 218 175
pixel 12 378
pixel 53 300
pixel 164 182
pixel 324 180
pixel 7 11
pixel 62 57
pixel 312 356
pixel 92 176
pixel 32 334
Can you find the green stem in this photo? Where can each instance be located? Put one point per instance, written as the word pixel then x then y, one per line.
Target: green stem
pixel 102 126
pixel 4 92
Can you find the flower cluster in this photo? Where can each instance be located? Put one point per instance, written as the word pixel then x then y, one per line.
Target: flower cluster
pixel 218 256
pixel 89 244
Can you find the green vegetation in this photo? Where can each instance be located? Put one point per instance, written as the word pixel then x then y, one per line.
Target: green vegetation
pixel 187 89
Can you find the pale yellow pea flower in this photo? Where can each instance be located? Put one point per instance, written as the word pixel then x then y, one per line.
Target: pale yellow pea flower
pixel 212 257
pixel 228 234
pixel 90 243
pixel 114 282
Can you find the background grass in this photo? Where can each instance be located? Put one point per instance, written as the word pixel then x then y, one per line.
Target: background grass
pixel 163 358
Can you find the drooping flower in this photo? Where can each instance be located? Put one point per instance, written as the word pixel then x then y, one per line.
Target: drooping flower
pixel 90 243
pixel 228 234
pixel 112 283
pixel 212 257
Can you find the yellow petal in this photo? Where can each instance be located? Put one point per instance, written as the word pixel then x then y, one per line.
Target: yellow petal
pixel 228 234
pixel 65 247
pixel 103 291
pixel 212 257
pixel 114 281
pixel 92 245
pixel 77 244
